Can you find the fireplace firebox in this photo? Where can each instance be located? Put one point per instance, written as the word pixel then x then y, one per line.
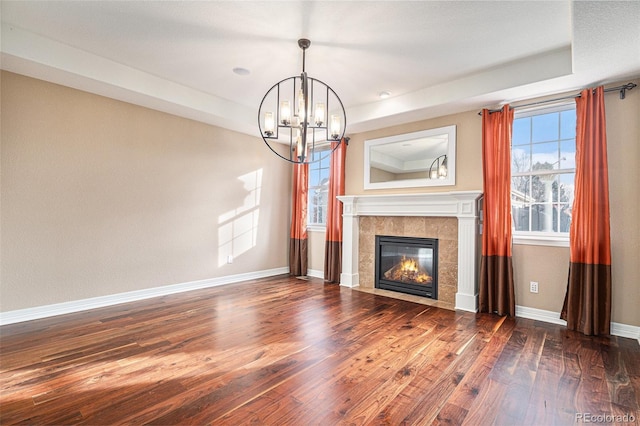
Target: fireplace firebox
pixel 407 265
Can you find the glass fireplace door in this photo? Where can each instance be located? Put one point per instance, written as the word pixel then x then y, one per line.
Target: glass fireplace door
pixel 407 264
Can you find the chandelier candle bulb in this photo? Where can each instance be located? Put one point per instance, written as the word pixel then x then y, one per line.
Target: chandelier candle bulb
pixel 335 126
pixel 269 123
pixel 285 113
pixel 442 171
pixel 302 108
pixel 301 148
pixel 319 114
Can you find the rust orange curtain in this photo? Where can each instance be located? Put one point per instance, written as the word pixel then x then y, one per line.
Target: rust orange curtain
pixel 298 244
pixel 587 304
pixel 333 245
pixel 496 267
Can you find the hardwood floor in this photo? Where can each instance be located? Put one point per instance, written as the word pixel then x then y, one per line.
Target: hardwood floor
pixel 283 351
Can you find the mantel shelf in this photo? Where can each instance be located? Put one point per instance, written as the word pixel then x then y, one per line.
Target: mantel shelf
pixel 441 204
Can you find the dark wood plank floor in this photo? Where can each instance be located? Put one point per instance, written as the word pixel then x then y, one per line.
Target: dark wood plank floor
pixel 283 351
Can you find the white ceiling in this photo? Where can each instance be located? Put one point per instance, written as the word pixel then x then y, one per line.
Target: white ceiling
pixel 434 57
pixel 413 154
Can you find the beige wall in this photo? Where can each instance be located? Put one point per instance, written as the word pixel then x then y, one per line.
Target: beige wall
pixel 548 265
pixel 102 197
pixel 623 139
pixel 468 154
pixel 468 158
pixel 316 250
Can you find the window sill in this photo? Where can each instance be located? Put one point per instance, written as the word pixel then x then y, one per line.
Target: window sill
pixel 316 228
pixel 533 239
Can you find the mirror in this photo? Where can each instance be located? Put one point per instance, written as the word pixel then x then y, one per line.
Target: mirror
pixel 425 158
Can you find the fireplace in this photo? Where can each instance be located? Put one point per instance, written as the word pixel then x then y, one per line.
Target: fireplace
pixel 451 217
pixel 407 265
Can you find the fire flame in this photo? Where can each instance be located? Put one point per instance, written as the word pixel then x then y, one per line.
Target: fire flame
pixel 408 270
pixel 408 265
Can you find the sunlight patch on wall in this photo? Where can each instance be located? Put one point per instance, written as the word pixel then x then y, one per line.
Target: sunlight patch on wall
pixel 238 228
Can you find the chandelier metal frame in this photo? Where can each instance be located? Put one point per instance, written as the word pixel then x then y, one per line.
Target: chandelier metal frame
pixel 441 170
pixel 302 123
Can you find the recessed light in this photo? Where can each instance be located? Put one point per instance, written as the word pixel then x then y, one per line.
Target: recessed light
pixel 241 71
pixel 384 95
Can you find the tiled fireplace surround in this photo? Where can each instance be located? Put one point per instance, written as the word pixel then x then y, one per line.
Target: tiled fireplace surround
pixel 451 217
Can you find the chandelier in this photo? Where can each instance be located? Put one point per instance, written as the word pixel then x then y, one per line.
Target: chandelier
pixel 293 117
pixel 438 169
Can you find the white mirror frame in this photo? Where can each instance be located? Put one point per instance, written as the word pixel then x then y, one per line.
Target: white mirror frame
pixel 450 131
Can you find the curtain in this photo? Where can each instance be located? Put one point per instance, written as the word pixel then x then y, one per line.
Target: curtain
pixel 298 244
pixel 587 303
pixel 333 245
pixel 497 292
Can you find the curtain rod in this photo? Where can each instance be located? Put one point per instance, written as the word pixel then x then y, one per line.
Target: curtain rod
pixel 622 89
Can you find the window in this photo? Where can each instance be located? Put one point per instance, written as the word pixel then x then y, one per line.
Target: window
pixel 318 187
pixel 543 149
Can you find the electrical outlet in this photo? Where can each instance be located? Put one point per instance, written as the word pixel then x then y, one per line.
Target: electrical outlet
pixel 533 286
pixel 230 259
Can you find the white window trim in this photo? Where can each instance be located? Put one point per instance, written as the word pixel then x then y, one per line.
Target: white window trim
pixel 532 238
pixel 563 105
pixel 319 227
pixel 316 228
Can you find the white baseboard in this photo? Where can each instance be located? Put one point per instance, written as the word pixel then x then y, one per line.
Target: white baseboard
pixel 539 315
pixel 625 330
pixel 38 312
pixel 349 280
pixel 315 273
pixel 617 329
pixel 467 302
pixel 28 314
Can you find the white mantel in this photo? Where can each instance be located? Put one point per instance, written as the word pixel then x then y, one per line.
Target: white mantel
pixel 459 204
